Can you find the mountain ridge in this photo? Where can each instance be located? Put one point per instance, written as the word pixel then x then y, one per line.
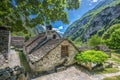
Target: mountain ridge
pixel 80 29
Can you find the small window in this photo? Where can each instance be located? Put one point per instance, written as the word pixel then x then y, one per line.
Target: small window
pixel 49 27
pixel 54 36
pixel 48 32
pixel 64 51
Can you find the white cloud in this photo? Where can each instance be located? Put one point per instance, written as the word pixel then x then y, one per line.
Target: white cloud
pixel 61 27
pixel 58 29
pixel 60 32
pixel 94 0
pixel 55 29
pixel 90 4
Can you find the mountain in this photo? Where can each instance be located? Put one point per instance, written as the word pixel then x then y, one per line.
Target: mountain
pixel 97 20
pixel 103 3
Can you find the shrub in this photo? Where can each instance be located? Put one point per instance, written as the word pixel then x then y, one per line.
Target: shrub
pixel 114 41
pixel 94 40
pixel 108 33
pixel 91 56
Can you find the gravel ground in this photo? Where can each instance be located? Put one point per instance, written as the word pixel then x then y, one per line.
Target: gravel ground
pixel 70 74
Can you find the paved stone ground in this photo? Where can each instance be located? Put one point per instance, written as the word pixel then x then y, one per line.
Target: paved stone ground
pixel 70 74
pixel 13 59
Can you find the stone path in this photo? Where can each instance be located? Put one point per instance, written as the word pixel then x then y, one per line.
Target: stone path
pixel 70 74
pixel 13 59
pixel 101 76
pixel 75 74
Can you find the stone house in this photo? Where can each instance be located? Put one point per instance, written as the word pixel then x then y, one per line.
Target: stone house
pixel 4 40
pixel 17 41
pixel 4 46
pixel 48 51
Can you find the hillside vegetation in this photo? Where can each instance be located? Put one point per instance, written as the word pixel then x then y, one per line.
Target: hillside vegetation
pixel 96 21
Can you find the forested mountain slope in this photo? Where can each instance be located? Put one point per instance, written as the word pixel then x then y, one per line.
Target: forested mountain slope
pixel 97 20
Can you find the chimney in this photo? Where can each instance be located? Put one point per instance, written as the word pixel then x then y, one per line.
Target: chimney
pixel 49 32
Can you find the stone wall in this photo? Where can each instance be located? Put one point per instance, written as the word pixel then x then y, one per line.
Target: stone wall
pixel 17 41
pixel 57 35
pixel 53 58
pixel 51 33
pixel 4 42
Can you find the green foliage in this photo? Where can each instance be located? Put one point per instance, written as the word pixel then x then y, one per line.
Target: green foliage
pixel 112 37
pixel 5 8
pixel 115 57
pixel 47 11
pixel 26 35
pixel 90 15
pixel 116 60
pixel 115 53
pixel 94 40
pixel 114 40
pixel 24 62
pixel 112 78
pixel 78 42
pixel 108 33
pixel 93 56
pixel 107 70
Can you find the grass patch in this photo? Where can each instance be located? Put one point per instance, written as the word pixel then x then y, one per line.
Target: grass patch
pixel 107 70
pixel 112 78
pixel 116 60
pixel 77 44
pixel 116 54
pixel 115 57
pixel 24 62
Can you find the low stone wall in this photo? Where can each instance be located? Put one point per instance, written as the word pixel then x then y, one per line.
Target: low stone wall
pixel 17 41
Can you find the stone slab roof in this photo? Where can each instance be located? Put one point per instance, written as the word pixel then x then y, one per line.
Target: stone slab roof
pixel 44 49
pixel 33 39
pixel 32 43
pixel 17 38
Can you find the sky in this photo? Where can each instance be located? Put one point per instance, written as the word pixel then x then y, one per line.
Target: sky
pixel 73 15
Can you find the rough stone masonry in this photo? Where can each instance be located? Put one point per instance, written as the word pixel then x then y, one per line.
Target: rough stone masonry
pixel 4 41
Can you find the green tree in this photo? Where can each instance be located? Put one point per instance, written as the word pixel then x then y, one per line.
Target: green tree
pixel 5 8
pixel 114 40
pixel 108 33
pixel 91 56
pixel 47 11
pixel 94 40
